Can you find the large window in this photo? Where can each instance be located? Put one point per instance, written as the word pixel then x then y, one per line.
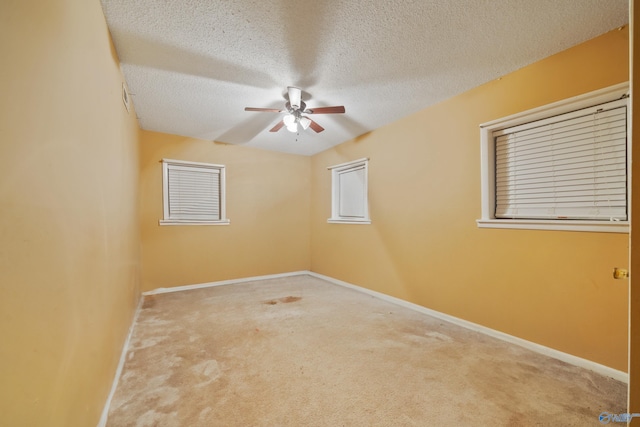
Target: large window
pixel 563 166
pixel 349 202
pixel 193 193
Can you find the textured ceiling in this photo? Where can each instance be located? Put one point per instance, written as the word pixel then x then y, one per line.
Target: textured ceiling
pixel 193 65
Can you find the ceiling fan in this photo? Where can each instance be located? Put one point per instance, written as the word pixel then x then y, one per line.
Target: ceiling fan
pixel 295 109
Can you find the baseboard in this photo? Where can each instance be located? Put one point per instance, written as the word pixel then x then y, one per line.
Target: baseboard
pixel 116 378
pixel 547 351
pixel 224 282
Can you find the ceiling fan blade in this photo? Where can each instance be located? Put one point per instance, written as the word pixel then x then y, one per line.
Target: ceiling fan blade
pixel 315 126
pixel 294 97
pixel 267 110
pixel 326 110
pixel 277 127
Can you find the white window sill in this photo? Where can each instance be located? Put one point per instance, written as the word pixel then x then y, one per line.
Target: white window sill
pixel 348 221
pixel 192 222
pixel 573 225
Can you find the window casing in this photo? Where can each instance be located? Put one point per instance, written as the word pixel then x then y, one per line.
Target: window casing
pixel 193 193
pixel 349 188
pixel 559 167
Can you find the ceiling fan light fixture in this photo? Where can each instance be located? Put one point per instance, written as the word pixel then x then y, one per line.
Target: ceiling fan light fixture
pixel 294 108
pixel 305 122
pixel 289 120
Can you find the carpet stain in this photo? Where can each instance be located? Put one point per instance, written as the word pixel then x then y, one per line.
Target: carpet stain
pixel 289 299
pixel 438 336
pixel 285 300
pixel 148 342
pixel 163 396
pixel 516 420
pixel 152 418
pixel 204 413
pixel 149 302
pixel 207 372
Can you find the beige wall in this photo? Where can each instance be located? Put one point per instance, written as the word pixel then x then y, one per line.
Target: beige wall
pixel 268 203
pixel 552 288
pixel 69 237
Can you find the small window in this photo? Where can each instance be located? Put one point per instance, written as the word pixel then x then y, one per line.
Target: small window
pixel 561 167
pixel 349 202
pixel 193 193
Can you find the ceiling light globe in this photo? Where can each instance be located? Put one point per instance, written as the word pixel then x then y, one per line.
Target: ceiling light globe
pixel 289 120
pixel 293 127
pixel 305 122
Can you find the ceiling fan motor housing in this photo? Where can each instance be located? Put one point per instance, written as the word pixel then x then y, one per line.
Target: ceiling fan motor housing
pixel 293 110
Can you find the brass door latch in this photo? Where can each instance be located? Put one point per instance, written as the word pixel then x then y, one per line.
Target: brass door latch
pixel 620 273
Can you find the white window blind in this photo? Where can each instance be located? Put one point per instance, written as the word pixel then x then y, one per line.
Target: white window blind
pixel 349 202
pixel 193 192
pixel 571 166
pixel 351 193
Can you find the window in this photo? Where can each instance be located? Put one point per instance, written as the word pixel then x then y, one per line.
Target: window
pixel 193 193
pixel 559 167
pixel 349 193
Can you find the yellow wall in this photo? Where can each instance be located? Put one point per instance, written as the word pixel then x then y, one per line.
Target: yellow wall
pixel 552 288
pixel 69 239
pixel 268 203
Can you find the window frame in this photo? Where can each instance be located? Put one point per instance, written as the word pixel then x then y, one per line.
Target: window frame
pixel 488 164
pixel 336 170
pixel 167 220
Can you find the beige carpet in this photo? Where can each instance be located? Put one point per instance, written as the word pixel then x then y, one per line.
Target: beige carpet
pixel 300 351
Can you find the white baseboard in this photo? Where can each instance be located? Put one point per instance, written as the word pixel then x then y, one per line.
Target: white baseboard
pixel 547 351
pixel 116 378
pixel 224 282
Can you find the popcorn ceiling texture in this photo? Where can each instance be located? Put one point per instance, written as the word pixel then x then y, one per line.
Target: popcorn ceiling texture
pixel 299 351
pixel 193 65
